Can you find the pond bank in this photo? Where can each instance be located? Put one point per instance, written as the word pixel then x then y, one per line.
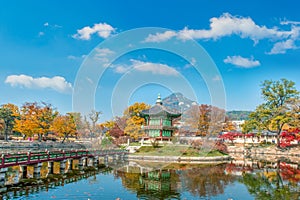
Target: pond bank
pixel 180 159
pixel 295 151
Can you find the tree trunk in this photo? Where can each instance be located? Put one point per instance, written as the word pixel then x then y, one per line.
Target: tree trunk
pixel 278 140
pixel 5 132
pixel 5 135
pixel 63 140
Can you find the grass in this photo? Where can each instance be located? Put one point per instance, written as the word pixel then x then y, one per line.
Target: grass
pixel 173 150
pixel 134 144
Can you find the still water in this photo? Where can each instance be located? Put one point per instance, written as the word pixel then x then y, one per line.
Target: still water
pixel 136 180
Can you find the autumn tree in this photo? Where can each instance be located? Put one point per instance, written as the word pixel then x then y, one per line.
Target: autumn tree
pixel 295 114
pixel 8 114
pixel 80 127
pixel 206 119
pixel 35 119
pixel 64 126
pixel 228 125
pixel 94 118
pixel 275 112
pixel 108 125
pixel 134 121
pixel 117 130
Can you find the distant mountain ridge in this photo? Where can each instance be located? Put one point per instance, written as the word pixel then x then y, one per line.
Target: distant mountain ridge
pixel 177 101
pixel 238 115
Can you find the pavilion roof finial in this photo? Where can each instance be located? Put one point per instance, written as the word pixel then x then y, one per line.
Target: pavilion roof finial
pixel 158 100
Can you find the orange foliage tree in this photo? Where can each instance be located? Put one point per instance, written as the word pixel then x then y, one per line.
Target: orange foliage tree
pixel 64 126
pixel 134 121
pixel 35 119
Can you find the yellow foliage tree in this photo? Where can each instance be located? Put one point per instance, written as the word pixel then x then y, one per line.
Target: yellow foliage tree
pixel 64 126
pixel 15 109
pixel 35 119
pixel 109 125
pixel 134 121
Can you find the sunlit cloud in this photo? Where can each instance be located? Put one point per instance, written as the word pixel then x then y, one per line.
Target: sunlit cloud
pixel 56 83
pixel 241 61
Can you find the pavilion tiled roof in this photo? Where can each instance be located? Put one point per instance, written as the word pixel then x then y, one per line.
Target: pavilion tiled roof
pixel 159 109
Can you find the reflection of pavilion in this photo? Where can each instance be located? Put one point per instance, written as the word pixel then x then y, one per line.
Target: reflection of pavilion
pixel 149 183
pixel 157 185
pixel 156 180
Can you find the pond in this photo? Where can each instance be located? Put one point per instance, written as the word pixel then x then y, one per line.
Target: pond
pixel 142 180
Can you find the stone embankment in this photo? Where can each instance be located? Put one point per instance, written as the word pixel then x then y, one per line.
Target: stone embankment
pixel 271 154
pixel 180 159
pixel 264 151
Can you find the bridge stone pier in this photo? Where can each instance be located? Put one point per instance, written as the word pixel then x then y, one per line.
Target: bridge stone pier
pixel 96 160
pixel 37 170
pixel 82 163
pixel 23 169
pixel 50 167
pixel 90 162
pixel 2 179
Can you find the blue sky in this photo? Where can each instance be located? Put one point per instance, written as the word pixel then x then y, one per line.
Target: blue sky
pixel 43 45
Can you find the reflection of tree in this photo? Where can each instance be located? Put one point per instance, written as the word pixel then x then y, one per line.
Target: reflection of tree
pixel 206 181
pixel 279 183
pixel 159 184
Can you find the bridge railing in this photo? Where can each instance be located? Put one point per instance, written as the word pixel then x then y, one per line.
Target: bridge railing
pixel 43 156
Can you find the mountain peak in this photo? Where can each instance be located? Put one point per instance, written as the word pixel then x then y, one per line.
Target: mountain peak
pixel 178 101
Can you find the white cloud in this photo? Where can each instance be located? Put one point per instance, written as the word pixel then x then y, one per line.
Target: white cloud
pixel 242 62
pixel 216 78
pixel 103 52
pixel 228 25
pixel 46 24
pixel 103 55
pixel 41 33
pixel 121 69
pixel 103 30
pixel 160 37
pixel 154 68
pixel 56 83
pixel 281 47
pixel 287 22
pixel 71 57
pixel 193 61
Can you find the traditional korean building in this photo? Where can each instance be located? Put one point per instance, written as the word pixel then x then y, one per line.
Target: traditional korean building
pixel 159 120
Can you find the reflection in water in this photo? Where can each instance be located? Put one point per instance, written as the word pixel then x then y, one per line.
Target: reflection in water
pixel 203 181
pixel 244 179
pixel 159 184
pixel 207 181
pixel 281 182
